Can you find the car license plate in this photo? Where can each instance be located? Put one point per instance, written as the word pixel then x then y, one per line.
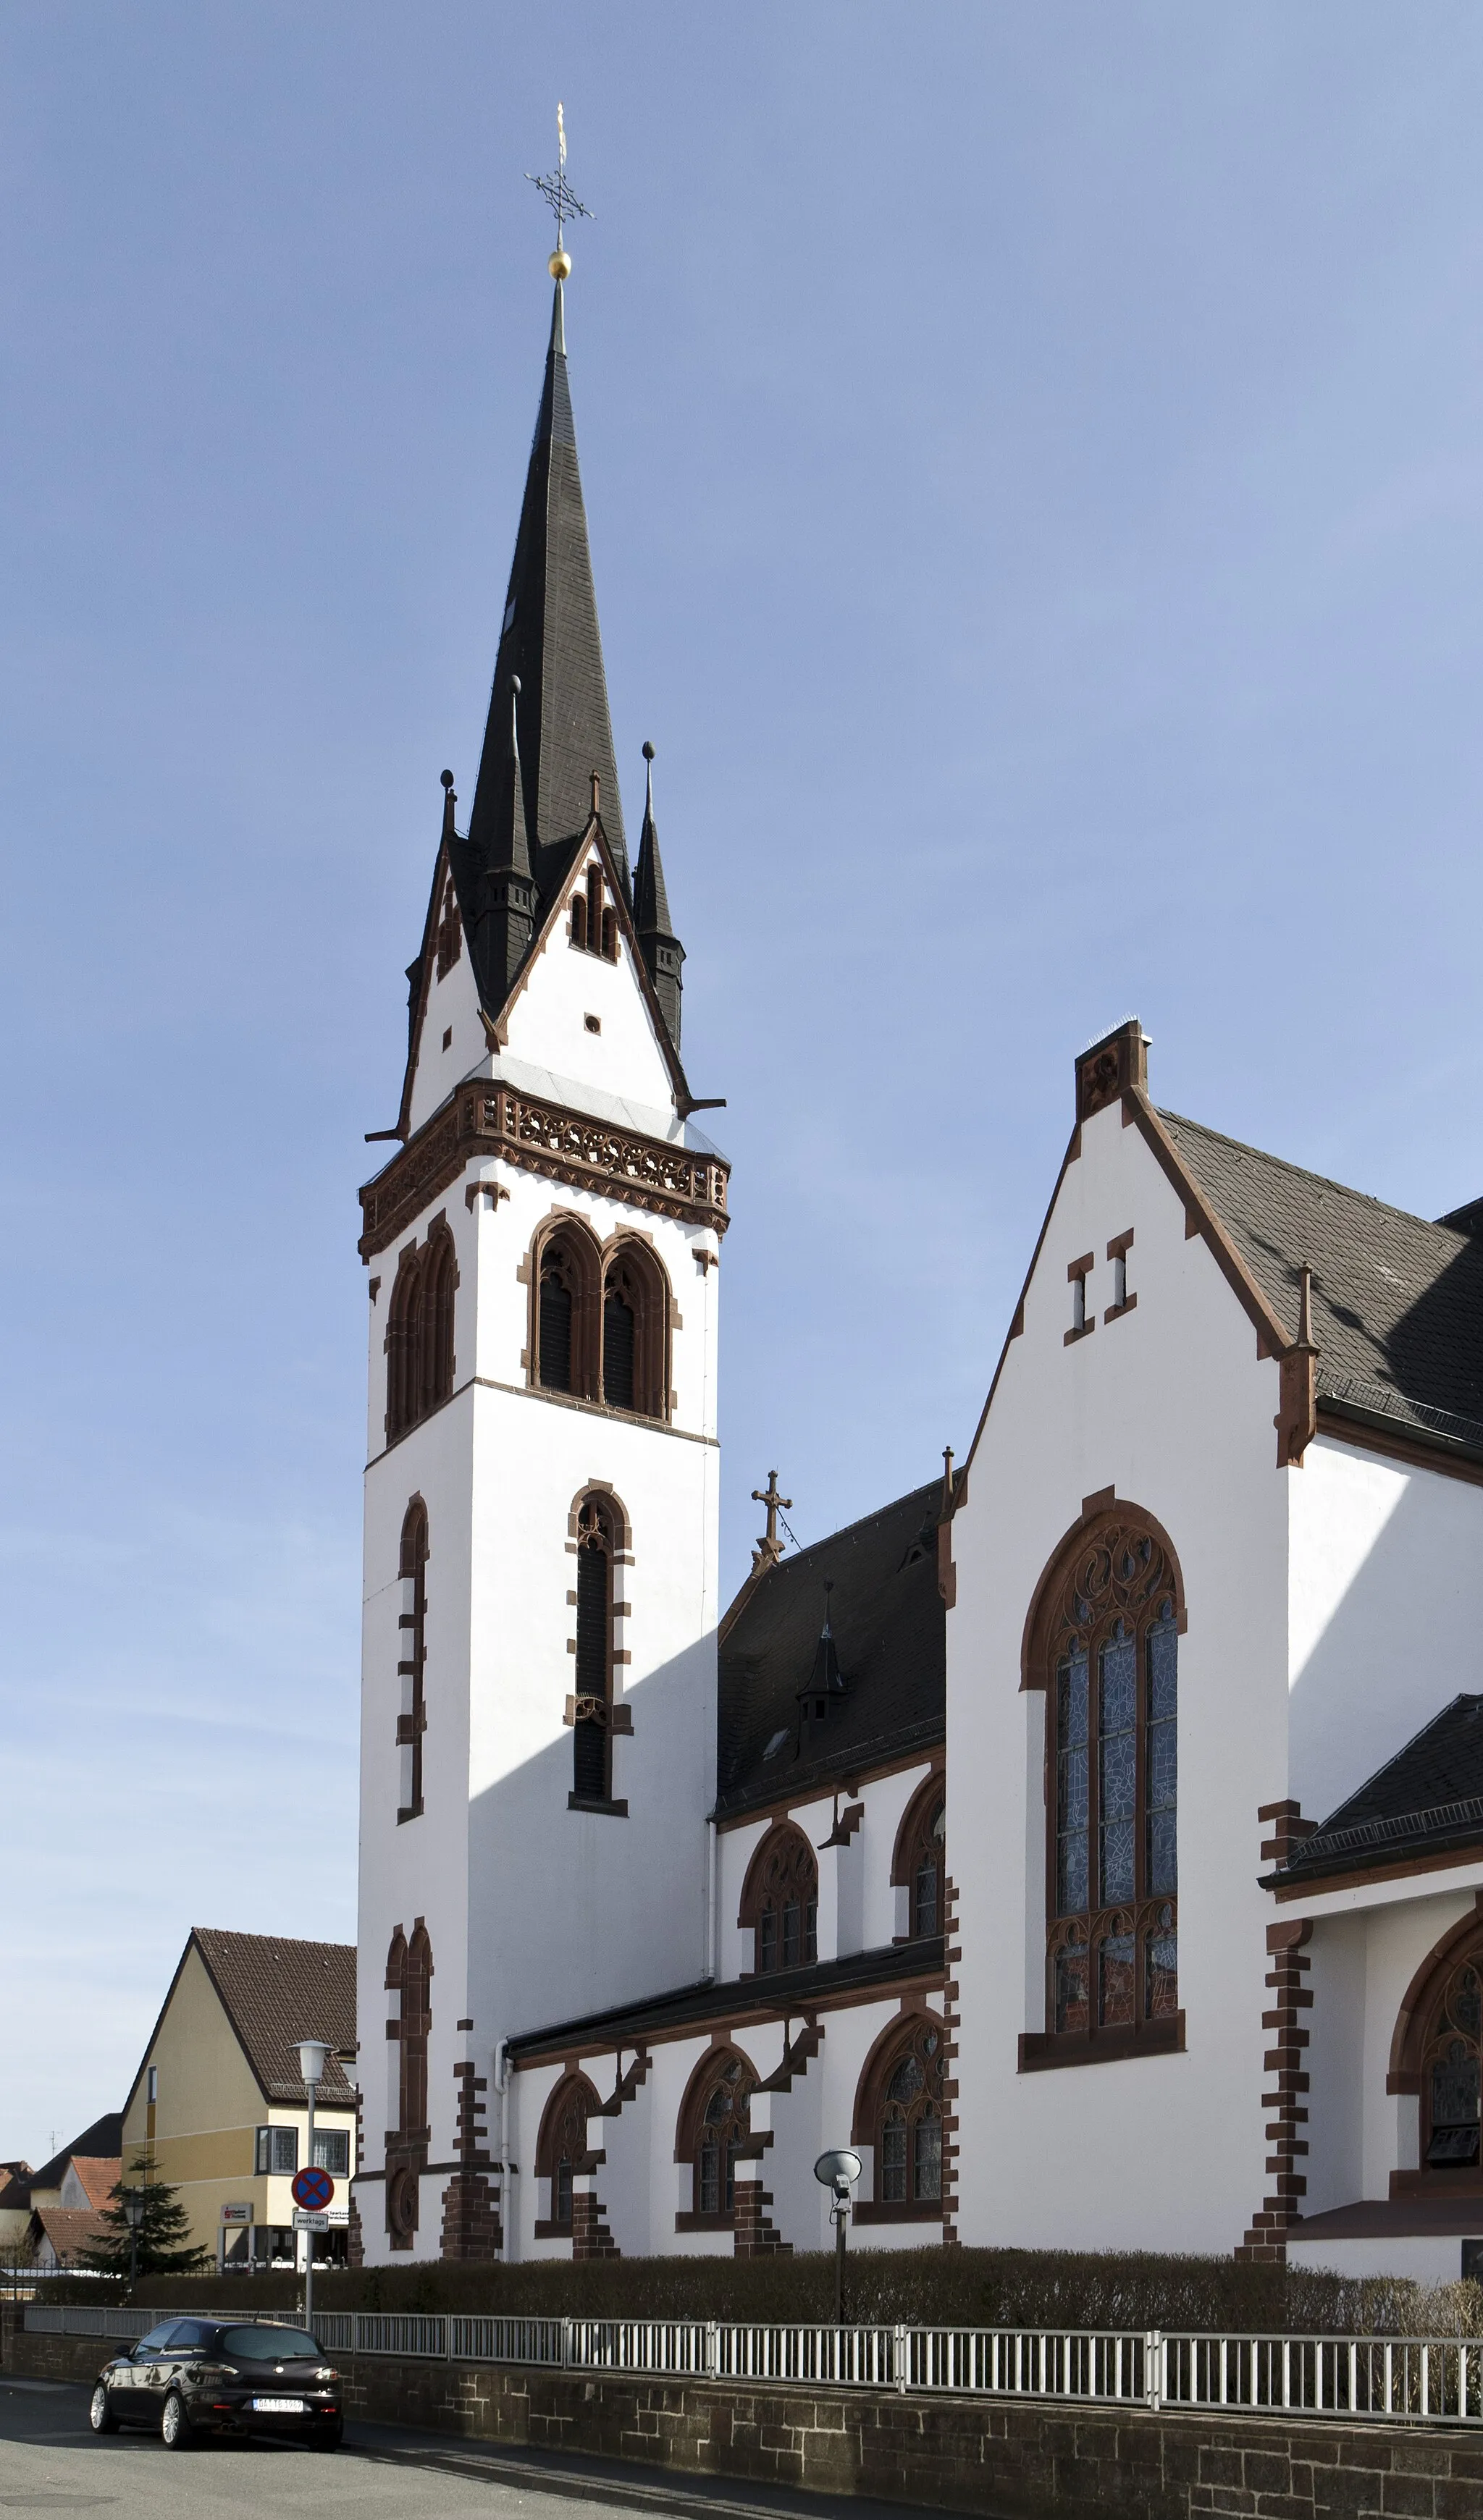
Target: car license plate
pixel 279 2407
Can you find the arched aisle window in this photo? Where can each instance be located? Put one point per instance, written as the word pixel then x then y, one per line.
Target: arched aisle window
pixel 1437 2053
pixel 780 1901
pixel 1102 1641
pixel 712 2128
pixel 898 2112
pixel 919 1865
pixel 562 2147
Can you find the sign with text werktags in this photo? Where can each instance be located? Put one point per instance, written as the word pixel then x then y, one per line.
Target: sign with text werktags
pixel 304 2222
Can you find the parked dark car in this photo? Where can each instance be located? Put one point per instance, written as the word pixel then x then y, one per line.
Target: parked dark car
pixel 191 2378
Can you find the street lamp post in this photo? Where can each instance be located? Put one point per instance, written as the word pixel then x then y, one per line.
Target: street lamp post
pixel 132 2201
pixel 838 2172
pixel 312 2053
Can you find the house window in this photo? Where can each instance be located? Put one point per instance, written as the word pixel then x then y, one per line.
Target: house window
pixel 780 1901
pixel 1108 1632
pixel 562 2145
pixel 332 2150
pixel 591 1779
pixel 412 1655
pixel 277 2155
pixel 908 2127
pixel 1450 2069
pixel 920 1860
pixel 420 1331
pixel 722 2130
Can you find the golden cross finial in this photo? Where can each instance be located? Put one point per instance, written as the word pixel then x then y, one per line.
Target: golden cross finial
pixel 554 190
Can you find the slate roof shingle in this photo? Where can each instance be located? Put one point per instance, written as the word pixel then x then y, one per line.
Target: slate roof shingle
pixel 890 1631
pixel 1428 1797
pixel 278 1991
pixel 1397 1300
pixel 103 2140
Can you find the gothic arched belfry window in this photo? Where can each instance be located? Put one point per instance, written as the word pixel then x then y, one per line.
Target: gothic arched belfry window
pixel 420 1331
pixel 1105 1647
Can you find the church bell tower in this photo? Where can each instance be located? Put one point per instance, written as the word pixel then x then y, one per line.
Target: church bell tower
pixel 538 1693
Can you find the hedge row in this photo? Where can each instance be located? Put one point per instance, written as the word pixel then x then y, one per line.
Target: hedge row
pixel 926 2287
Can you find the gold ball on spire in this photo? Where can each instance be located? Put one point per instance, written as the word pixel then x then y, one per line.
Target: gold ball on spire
pixel 559 265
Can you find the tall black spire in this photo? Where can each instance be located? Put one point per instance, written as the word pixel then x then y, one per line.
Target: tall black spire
pixel 660 948
pixel 551 640
pixel 505 886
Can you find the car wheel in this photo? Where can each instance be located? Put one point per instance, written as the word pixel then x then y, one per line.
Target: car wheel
pixel 100 2413
pixel 175 2423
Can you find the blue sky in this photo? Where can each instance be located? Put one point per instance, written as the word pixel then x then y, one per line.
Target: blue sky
pixel 1033 463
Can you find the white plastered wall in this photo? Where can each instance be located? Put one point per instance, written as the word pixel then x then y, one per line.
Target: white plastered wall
pixel 537 1912
pixel 1171 1405
pixel 1383 1560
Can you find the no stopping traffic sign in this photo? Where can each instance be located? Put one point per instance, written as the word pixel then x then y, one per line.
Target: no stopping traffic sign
pixel 312 2190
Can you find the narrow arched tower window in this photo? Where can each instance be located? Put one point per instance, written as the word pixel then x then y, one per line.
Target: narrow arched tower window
pixel 412 1656
pixel 592 1771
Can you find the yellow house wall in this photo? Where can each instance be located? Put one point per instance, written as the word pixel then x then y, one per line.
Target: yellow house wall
pixel 202 2141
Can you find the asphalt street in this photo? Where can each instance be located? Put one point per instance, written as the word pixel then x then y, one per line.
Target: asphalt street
pixel 50 2461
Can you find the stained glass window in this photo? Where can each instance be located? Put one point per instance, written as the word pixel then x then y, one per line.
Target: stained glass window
pixel 1110 1630
pixel 1452 2072
pixel 909 2142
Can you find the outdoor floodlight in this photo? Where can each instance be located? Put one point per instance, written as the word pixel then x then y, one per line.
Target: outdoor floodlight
pixel 838 2172
pixel 312 2053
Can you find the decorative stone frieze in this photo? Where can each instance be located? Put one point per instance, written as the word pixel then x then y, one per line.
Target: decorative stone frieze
pixel 567 1146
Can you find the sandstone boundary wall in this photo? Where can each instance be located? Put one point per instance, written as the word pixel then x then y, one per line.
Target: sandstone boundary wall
pixel 1013 2462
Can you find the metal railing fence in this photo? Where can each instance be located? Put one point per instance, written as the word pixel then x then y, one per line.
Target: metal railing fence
pixel 1400 2379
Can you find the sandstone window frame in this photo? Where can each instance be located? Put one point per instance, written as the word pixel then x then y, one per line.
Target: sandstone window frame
pixel 1112 1596
pixel 780 1901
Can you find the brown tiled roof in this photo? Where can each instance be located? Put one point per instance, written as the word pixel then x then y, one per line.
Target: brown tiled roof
pixel 69 2231
pixel 276 1991
pixel 1397 1300
pixel 99 2177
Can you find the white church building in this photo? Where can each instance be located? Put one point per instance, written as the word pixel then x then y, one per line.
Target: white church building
pixel 1091 1837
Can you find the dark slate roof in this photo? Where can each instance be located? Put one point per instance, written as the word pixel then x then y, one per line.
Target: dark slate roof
pixel 551 640
pixel 103 2140
pixel 788 1992
pixel 1397 1301
pixel 890 1631
pixel 276 1991
pixel 1428 1797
